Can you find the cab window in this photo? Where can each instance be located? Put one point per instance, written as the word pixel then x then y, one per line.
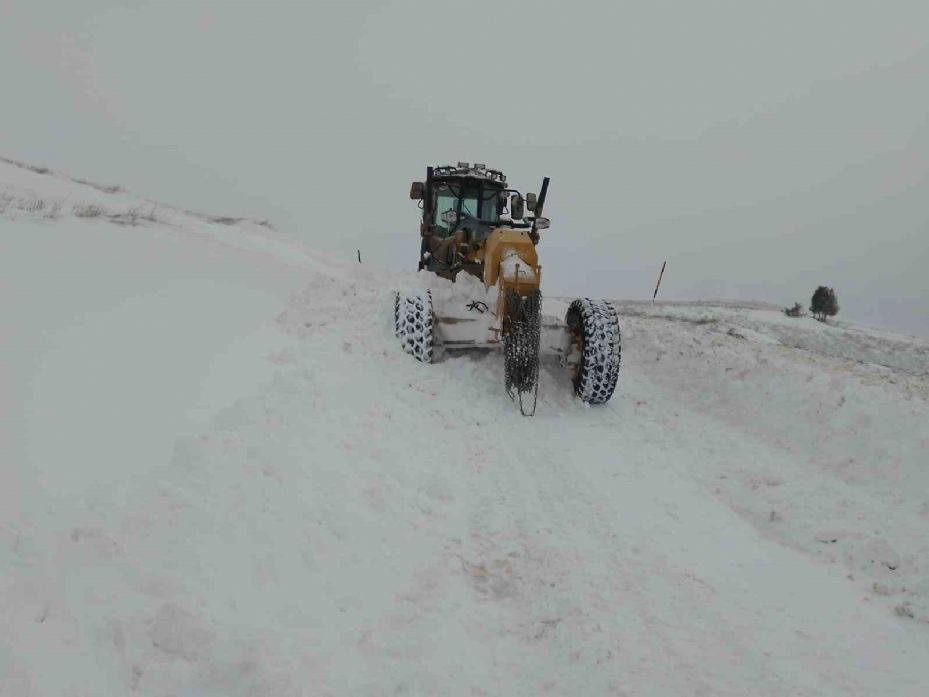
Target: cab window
pixel 481 203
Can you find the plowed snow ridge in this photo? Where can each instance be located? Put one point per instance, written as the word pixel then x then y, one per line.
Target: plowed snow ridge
pixel 223 476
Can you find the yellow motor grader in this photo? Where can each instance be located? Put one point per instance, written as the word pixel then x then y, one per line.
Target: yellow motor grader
pixel 473 222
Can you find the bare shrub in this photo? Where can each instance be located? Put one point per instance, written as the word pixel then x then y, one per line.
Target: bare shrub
pixel 88 210
pixel 149 215
pixel 23 165
pixel 225 220
pixel 54 210
pixel 130 216
pixel 5 201
pixel 229 220
pixel 105 188
pixel 32 204
pixel 134 215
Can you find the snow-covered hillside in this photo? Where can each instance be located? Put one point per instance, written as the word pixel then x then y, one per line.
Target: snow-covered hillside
pixel 222 476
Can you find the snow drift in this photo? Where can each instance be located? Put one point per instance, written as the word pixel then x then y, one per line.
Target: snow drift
pixel 223 476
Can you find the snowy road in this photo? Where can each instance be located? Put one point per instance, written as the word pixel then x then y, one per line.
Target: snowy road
pixel 315 513
pixel 586 552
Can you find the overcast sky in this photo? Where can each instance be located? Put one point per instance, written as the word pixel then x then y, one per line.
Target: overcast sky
pixel 762 148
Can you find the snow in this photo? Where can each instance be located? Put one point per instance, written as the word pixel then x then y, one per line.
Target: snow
pixel 762 322
pixel 223 476
pixel 513 264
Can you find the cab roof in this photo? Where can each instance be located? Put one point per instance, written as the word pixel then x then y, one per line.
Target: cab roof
pixel 463 170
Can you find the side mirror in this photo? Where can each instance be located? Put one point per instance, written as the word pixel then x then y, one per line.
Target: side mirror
pixel 542 223
pixel 417 191
pixel 530 201
pixel 516 207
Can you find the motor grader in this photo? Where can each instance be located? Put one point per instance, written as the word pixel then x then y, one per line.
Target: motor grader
pixel 473 222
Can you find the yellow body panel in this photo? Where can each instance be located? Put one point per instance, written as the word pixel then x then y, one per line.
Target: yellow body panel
pixel 500 244
pixel 511 262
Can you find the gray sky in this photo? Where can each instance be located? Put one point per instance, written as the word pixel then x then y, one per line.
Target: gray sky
pixel 762 148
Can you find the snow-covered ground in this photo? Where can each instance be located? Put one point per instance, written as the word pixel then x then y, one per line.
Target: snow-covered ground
pixel 222 476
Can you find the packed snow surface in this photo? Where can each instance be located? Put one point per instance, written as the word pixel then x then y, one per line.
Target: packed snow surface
pixel 222 475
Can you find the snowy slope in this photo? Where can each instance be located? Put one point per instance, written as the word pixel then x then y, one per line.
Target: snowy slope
pixel 221 476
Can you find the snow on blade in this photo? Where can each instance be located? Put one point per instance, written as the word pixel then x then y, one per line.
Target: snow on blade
pixel 512 263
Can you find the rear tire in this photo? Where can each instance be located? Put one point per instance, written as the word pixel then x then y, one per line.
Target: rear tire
pixel 595 327
pixel 414 322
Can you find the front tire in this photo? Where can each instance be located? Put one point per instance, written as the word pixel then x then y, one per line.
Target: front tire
pixel 595 328
pixel 414 322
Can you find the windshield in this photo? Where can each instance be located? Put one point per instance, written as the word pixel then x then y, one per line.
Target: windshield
pixel 477 201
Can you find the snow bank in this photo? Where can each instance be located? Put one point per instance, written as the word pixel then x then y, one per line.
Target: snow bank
pixel 766 323
pixel 844 475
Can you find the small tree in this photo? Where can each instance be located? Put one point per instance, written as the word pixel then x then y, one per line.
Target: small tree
pixel 795 311
pixel 833 308
pixel 824 303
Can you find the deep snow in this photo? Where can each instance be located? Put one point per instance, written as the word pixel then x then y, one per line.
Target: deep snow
pixel 222 476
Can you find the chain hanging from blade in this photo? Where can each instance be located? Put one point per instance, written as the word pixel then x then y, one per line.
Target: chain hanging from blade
pixel 522 326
